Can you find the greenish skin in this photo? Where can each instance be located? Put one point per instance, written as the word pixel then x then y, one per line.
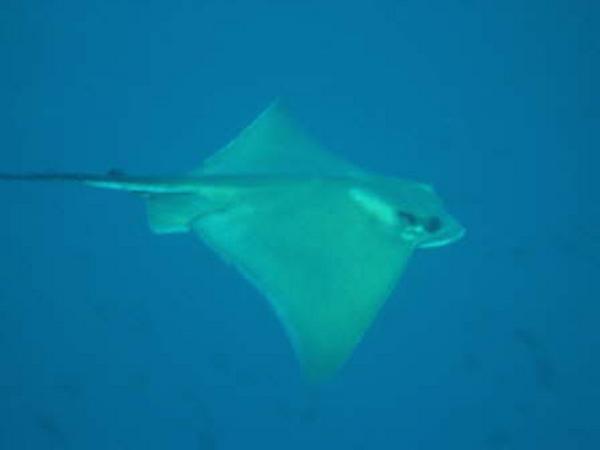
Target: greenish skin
pixel 323 240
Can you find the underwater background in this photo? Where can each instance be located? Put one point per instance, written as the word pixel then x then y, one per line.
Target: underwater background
pixel 114 338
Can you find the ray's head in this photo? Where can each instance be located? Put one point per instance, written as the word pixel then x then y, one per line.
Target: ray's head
pixel 429 231
pixel 412 211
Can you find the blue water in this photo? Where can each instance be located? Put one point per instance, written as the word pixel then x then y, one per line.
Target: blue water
pixel 113 338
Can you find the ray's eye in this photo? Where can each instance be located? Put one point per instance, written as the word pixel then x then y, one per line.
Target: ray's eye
pixel 433 224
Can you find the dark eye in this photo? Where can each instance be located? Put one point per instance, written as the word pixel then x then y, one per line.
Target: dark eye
pixel 411 219
pixel 433 224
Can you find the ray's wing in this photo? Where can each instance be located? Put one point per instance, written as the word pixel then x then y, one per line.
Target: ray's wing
pixel 275 144
pixel 323 264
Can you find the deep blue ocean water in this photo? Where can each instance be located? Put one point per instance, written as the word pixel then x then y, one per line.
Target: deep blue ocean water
pixel 114 338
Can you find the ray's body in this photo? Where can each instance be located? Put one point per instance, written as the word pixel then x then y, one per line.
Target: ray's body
pixel 323 240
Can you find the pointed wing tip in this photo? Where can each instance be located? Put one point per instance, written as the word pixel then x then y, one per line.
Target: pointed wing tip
pixel 275 106
pixel 318 375
pixel 321 365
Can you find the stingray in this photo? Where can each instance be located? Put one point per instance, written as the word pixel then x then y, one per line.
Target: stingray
pixel 322 239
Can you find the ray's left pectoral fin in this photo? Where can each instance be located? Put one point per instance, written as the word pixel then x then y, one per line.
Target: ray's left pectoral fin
pixel 323 264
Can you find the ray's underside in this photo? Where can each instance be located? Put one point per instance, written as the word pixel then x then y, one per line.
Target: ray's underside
pixel 323 240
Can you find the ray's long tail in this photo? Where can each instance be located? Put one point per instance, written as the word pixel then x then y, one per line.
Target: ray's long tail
pixel 119 182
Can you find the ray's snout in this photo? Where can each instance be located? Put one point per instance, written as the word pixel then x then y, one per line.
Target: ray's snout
pixel 442 231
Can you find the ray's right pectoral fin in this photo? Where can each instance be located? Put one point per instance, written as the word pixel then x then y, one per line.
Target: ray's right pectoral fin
pixel 323 264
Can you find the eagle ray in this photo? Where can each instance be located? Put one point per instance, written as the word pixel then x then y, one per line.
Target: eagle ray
pixel 323 240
